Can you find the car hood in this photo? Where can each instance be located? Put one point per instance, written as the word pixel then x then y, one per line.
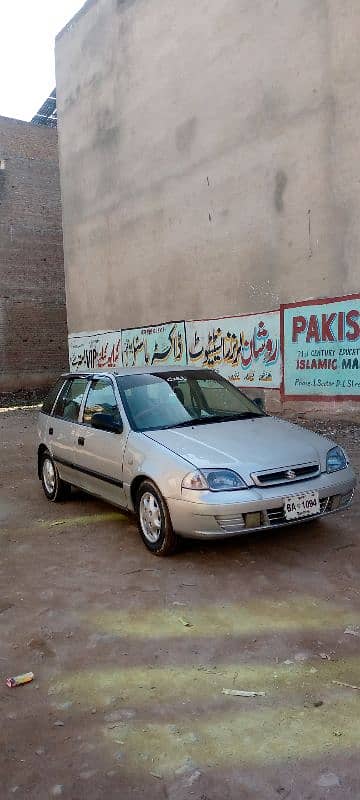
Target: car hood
pixel 245 445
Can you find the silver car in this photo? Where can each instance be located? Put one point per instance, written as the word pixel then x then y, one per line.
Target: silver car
pixel 188 453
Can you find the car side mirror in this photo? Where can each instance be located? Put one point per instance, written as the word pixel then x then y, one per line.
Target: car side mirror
pixel 258 401
pixel 106 422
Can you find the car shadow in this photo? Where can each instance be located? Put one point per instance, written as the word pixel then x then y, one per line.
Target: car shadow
pixel 319 534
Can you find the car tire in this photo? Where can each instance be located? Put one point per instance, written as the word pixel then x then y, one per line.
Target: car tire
pixel 154 521
pixel 55 489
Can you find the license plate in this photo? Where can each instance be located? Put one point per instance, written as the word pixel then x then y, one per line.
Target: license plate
pixel 302 505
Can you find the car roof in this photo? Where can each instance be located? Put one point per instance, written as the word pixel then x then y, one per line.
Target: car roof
pixel 134 371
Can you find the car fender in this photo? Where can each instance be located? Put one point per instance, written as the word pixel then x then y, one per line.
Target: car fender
pixel 144 458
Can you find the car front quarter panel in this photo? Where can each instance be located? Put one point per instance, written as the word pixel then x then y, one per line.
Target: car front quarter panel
pixel 144 457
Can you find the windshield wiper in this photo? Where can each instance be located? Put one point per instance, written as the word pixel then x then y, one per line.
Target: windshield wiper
pixel 216 418
pixel 244 415
pixel 188 423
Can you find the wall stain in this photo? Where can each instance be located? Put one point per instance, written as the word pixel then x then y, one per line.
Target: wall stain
pixel 280 186
pixel 309 234
pixel 2 183
pixel 185 135
pixel 119 4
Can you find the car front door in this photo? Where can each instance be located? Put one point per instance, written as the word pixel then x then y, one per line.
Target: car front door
pixel 98 454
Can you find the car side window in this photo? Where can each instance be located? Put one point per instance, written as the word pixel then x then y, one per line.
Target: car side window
pixel 101 399
pixel 70 398
pixel 49 401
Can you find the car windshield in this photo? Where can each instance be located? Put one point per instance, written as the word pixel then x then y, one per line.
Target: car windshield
pixel 180 399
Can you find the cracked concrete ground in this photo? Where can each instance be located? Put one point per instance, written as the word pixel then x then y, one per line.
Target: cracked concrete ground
pixel 127 700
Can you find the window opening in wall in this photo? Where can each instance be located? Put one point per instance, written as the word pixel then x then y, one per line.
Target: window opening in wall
pixel 2 163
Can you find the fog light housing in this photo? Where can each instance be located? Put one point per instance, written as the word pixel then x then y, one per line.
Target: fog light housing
pixel 253 519
pixel 334 502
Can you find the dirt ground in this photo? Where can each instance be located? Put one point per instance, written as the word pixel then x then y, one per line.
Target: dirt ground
pixel 127 700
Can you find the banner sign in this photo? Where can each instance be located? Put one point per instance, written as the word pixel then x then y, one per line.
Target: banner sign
pixel 95 351
pixel 244 349
pixel 321 348
pixel 155 345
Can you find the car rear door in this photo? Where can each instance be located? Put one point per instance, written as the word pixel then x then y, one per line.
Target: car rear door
pixel 61 426
pixel 98 455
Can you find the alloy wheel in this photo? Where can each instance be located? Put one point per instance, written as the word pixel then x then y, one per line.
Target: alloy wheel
pixel 49 475
pixel 150 517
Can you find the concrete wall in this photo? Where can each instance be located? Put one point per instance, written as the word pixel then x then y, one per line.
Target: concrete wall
pixel 209 157
pixel 33 332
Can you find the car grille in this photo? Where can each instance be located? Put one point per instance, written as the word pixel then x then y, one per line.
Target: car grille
pixel 277 516
pixel 286 475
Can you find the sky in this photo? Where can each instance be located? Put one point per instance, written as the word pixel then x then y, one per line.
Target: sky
pixel 27 63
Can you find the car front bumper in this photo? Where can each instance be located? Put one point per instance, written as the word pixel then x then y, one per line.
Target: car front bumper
pixel 218 515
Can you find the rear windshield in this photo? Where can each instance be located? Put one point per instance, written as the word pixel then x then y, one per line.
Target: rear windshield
pixel 176 400
pixel 49 401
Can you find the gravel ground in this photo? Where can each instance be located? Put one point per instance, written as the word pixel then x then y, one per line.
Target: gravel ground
pixel 127 700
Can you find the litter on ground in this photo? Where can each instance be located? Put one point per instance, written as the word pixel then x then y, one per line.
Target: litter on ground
pixel 239 693
pixel 348 685
pixel 185 622
pixel 19 680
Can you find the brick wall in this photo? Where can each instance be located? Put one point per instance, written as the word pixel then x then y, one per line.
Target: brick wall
pixel 33 332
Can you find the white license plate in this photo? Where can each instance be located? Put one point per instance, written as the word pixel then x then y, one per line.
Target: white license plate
pixel 302 505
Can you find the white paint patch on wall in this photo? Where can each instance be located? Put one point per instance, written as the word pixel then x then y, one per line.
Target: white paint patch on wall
pixel 135 347
pixel 244 349
pixel 154 345
pixel 95 351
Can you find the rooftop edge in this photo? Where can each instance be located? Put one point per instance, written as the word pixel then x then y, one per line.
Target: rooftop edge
pixel 82 11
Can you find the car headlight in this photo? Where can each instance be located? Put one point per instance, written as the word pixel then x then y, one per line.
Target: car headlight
pixel 336 459
pixel 217 480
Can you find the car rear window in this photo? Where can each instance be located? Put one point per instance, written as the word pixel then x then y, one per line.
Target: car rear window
pixel 49 401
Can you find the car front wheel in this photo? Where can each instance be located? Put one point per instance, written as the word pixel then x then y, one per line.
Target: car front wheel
pixel 154 521
pixel 54 488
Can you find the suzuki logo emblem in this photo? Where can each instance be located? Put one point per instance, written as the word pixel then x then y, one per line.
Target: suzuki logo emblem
pixel 291 474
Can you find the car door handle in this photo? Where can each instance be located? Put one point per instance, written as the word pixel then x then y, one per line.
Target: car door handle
pixel 51 431
pixel 81 441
